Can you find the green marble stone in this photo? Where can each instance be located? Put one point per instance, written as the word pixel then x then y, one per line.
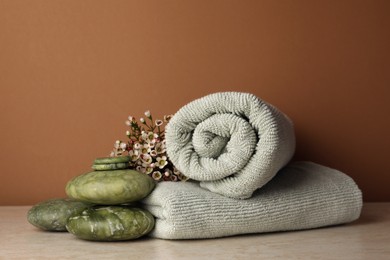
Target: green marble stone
pixel 110 166
pixel 110 187
pixel 110 160
pixel 52 215
pixel 112 223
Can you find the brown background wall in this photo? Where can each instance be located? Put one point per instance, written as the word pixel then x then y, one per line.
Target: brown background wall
pixel 72 71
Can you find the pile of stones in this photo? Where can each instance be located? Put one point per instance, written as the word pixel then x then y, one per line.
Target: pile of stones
pixel 101 204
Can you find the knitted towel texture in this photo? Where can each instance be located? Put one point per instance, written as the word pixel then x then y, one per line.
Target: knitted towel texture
pixel 302 195
pixel 232 142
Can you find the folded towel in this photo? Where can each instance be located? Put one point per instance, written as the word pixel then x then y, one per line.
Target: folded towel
pixel 302 195
pixel 232 142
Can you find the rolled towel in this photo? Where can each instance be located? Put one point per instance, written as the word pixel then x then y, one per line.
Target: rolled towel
pixel 232 142
pixel 303 195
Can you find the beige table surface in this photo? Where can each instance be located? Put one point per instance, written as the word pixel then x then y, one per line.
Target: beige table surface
pixel 367 238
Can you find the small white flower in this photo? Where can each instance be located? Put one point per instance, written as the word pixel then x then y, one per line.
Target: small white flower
pixel 148 170
pixel 167 118
pixel 128 133
pixel 142 120
pixel 152 137
pixel 183 177
pixel 130 118
pixel 123 146
pixel 137 146
pixel 144 136
pixel 128 123
pixel 161 161
pixel 160 148
pixel 147 113
pixel 117 144
pixel 145 149
pixel 158 122
pixel 153 153
pixel 134 155
pixel 156 175
pixel 146 158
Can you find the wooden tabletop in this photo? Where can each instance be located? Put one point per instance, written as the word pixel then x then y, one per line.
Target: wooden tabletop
pixel 366 238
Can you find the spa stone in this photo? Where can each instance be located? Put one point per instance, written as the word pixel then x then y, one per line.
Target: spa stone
pixel 110 166
pixel 110 160
pixel 52 215
pixel 110 187
pixel 112 223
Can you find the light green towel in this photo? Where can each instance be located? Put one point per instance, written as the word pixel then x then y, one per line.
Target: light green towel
pixel 232 142
pixel 302 195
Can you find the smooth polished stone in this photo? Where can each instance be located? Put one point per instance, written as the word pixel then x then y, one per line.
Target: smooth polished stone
pixel 110 187
pixel 110 160
pixel 112 223
pixel 110 166
pixel 53 214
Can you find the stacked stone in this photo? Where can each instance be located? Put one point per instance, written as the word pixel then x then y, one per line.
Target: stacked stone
pixel 101 204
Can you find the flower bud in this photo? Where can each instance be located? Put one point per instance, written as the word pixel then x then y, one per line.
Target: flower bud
pixel 159 122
